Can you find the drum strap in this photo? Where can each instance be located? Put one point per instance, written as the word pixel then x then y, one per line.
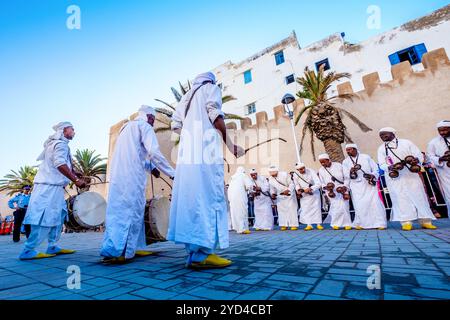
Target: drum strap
pixel 308 183
pixel 326 169
pixel 447 143
pixel 192 97
pixel 357 159
pixel 388 148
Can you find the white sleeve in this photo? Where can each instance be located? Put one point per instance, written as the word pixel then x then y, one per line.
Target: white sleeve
pixel 214 103
pixel 415 151
pixel 178 116
pixel 432 154
pixel 317 185
pixel 60 154
pixel 346 167
pixel 382 159
pixel 151 145
pixel 373 168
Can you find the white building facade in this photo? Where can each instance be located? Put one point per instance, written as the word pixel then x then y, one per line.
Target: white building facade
pixel 259 82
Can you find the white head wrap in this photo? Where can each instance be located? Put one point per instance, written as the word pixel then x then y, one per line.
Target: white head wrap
pixel 351 145
pixel 274 169
pixel 201 78
pixel 388 129
pixel 300 165
pixel 253 171
pixel 324 156
pixel 144 111
pixel 58 135
pixel 443 124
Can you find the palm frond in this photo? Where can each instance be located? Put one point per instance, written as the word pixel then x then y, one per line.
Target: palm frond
pixel 358 122
pixel 230 116
pixel 166 104
pixel 228 98
pixel 301 113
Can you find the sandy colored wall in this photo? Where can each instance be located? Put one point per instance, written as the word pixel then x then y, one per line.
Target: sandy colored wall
pixel 412 103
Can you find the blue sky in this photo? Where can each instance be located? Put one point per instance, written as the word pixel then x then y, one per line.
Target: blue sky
pixel 128 53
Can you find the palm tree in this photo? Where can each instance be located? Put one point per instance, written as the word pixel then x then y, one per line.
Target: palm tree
pixel 90 165
pixel 324 118
pixel 178 96
pixel 15 181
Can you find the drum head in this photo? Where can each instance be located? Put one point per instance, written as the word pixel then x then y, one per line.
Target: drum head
pixel 89 209
pixel 160 210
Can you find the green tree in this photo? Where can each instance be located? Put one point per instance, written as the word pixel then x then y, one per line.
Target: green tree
pixel 91 165
pixel 323 117
pixel 14 182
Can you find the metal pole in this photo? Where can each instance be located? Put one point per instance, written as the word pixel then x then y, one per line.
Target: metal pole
pixel 291 117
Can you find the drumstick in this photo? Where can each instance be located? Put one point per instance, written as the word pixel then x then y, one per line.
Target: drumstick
pixel 260 144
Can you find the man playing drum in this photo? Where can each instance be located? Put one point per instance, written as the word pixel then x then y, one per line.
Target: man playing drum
pixel 135 147
pixel 47 209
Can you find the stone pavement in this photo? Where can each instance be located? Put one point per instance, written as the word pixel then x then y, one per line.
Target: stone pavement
pixel 268 266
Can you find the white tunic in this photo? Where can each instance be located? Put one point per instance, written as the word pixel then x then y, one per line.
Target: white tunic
pixel 47 207
pixel 339 208
pixel 237 195
pixel 310 206
pixel 370 212
pixel 125 229
pixel 436 149
pixel 198 213
pixel 409 200
pixel 287 205
pixel 263 204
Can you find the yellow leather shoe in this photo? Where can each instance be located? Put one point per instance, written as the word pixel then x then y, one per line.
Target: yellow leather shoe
pixel 294 229
pixel 119 260
pixel 336 228
pixel 283 229
pixel 407 227
pixel 348 228
pixel 211 262
pixel 359 228
pixel 246 232
pixel 142 253
pixel 40 255
pixel 429 226
pixel 320 227
pixel 381 229
pixel 257 230
pixel 309 228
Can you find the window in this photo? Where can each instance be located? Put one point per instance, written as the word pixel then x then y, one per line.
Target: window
pixel 248 76
pixel 250 109
pixel 325 62
pixel 279 58
pixel 413 55
pixel 290 79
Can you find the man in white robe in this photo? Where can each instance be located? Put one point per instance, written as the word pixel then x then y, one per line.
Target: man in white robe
pixel 370 212
pixel 136 152
pixel 238 197
pixel 198 216
pixel 259 188
pixel 282 189
pixel 47 209
pixel 439 153
pixel 308 187
pixel 339 211
pixel 409 199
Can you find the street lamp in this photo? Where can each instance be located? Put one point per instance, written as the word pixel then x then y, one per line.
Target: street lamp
pixel 288 102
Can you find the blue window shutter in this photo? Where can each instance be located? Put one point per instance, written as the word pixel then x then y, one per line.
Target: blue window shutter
pixel 248 76
pixel 421 49
pixel 394 58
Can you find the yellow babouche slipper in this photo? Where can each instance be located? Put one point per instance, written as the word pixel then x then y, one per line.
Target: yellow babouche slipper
pixel 257 230
pixel 407 227
pixel 359 228
pixel 336 228
pixel 211 262
pixel 65 251
pixel 429 226
pixel 309 228
pixel 294 229
pixel 142 253
pixel 119 260
pixel 382 228
pixel 40 255
pixel 348 228
pixel 247 232
pixel 320 227
pixel 283 229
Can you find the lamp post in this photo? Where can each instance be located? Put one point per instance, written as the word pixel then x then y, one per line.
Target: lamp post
pixel 288 102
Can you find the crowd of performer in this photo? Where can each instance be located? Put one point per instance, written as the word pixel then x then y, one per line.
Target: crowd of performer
pixel 199 211
pixel 297 196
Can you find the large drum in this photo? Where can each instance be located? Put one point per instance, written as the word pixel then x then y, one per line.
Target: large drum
pixel 86 211
pixel 156 220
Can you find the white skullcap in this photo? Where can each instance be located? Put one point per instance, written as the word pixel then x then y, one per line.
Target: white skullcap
pixel 253 171
pixel 274 169
pixel 388 129
pixel 443 124
pixel 147 110
pixel 351 145
pixel 300 165
pixel 324 156
pixel 62 125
